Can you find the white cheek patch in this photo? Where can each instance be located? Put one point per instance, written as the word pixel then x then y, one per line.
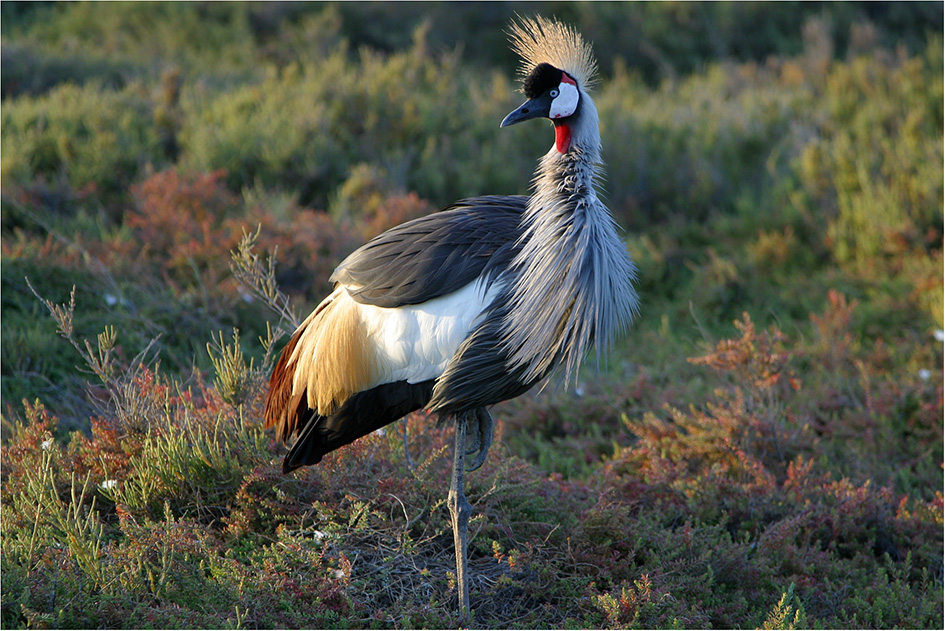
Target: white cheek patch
pixel 567 100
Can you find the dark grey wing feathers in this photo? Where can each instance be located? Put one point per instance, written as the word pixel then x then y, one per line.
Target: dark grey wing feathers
pixel 360 415
pixel 480 373
pixel 437 254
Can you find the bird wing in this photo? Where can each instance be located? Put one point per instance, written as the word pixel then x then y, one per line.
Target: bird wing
pixel 435 255
pixel 360 415
pixel 479 373
pixel 427 266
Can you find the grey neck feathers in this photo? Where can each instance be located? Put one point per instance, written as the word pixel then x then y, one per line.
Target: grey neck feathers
pixel 571 285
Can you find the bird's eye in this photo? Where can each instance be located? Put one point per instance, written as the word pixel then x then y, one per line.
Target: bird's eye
pixel 554 93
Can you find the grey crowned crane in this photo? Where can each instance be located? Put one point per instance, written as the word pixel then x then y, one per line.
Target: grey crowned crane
pixel 471 305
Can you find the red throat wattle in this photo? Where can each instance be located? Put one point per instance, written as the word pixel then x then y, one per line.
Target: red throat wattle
pixel 562 137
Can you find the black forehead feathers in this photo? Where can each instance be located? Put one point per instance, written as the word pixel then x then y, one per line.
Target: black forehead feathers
pixel 542 78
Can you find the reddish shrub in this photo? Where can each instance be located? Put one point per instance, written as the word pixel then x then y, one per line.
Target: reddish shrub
pixel 391 212
pixel 187 225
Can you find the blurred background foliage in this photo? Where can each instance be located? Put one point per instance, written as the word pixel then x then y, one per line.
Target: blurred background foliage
pixel 780 160
pixel 757 154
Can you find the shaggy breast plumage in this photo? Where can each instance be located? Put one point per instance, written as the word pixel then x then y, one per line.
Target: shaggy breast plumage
pixel 574 279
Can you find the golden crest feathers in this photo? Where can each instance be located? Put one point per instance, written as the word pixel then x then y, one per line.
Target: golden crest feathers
pixel 540 40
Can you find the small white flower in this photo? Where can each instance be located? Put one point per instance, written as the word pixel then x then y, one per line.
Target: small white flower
pixel 111 300
pixel 338 573
pixel 940 335
pixel 925 374
pixel 109 484
pixel 47 444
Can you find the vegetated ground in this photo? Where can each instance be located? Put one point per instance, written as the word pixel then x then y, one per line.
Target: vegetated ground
pixel 764 449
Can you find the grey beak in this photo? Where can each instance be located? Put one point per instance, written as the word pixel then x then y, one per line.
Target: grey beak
pixel 532 108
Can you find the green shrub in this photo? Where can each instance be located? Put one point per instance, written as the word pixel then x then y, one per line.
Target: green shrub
pixel 691 148
pixel 307 127
pixel 879 156
pixel 875 171
pixel 28 69
pixel 97 139
pixel 142 33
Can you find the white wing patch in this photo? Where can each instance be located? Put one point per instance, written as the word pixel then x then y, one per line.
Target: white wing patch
pixel 416 342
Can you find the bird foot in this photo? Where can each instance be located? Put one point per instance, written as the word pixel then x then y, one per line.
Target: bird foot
pixel 483 438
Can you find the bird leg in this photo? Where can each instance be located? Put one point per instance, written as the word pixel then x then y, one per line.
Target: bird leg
pixel 402 426
pixel 483 438
pixel 460 510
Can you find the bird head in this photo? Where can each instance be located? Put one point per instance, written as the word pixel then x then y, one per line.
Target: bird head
pixel 557 68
